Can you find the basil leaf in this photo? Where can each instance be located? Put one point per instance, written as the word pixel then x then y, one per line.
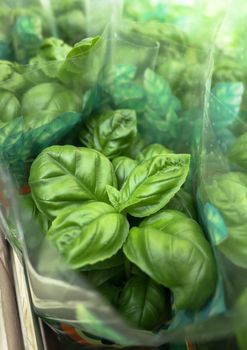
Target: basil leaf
pixel 52 98
pixel 123 167
pixel 151 151
pixel 136 147
pixel 10 79
pixel 27 36
pixel 63 177
pixel 238 154
pixel 153 183
pixel 99 277
pixel 89 234
pixel 142 302
pixel 71 24
pixel 112 133
pixel 228 193
pixel 110 292
pixel 10 107
pixel 49 60
pixel 76 61
pixel 171 249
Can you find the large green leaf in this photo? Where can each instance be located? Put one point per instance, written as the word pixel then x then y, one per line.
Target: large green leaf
pixel 64 177
pixel 111 133
pixel 10 79
pixel 171 249
pixel 155 149
pixel 228 193
pixel 89 234
pixel 143 302
pixel 151 184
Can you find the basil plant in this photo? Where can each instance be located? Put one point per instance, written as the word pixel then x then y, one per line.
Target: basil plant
pixel 106 213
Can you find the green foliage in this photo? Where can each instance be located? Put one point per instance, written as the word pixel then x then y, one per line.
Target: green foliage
pixel 89 234
pixel 152 183
pixel 228 193
pixel 65 177
pixel 170 238
pixel 143 302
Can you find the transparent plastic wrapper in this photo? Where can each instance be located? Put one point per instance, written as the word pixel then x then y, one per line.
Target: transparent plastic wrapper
pixel 26 26
pixel 126 110
pixel 185 33
pixel 222 170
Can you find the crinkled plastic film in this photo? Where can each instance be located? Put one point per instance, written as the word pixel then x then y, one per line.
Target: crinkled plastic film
pixel 118 71
pixel 222 170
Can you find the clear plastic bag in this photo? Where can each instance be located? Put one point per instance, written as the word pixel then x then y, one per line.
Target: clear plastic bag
pixel 222 170
pixel 116 73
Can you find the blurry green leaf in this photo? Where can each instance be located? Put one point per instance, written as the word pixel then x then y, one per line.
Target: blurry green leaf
pixel 143 302
pixel 228 193
pixel 110 292
pixel 27 36
pixel 224 107
pixel 71 25
pixel 238 151
pixel 9 106
pixel 10 78
pixel 49 98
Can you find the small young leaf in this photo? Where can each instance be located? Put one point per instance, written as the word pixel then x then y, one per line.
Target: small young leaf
pixel 113 195
pixel 123 167
pixel 155 149
pixel 111 133
pixel 153 183
pixel 110 292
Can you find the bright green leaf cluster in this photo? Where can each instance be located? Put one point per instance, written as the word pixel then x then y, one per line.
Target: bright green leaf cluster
pixel 93 198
